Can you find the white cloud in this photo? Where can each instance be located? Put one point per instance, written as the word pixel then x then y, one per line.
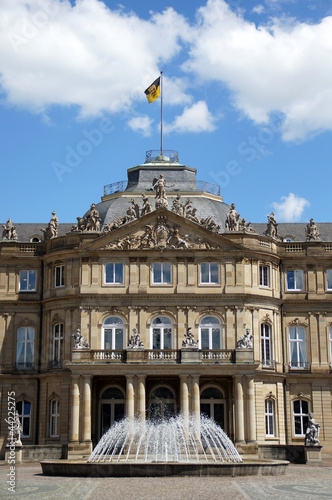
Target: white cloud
pixel 196 118
pixel 291 208
pixel 258 9
pixel 86 55
pixel 284 66
pixel 141 124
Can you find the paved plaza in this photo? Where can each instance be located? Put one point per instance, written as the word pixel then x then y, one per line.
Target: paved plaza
pixel 302 482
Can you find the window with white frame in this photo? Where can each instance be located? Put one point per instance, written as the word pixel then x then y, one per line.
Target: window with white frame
pixel 57 343
pixel 301 417
pixel 329 279
pixel 59 276
pixel 264 275
pixel 266 344
pixel 297 347
pixel 162 273
pixel 113 273
pixel 210 333
pixel 54 417
pixel 113 333
pixel 162 333
pixel 295 280
pixel 25 347
pixel 28 281
pixel 209 273
pixel 23 409
pixel 269 417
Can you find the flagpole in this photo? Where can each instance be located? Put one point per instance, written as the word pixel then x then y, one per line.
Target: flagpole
pixel 161 113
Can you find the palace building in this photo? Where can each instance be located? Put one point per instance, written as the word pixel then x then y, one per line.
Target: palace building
pixel 161 299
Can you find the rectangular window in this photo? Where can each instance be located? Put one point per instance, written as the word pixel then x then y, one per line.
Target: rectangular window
pixel 25 347
pixel 266 344
pixel 162 273
pixel 264 275
pixel 114 273
pixel 210 273
pixel 269 417
pixel 301 417
pixel 329 279
pixel 54 418
pixel 57 344
pixel 28 281
pixel 59 276
pixel 297 347
pixel 23 409
pixel 295 280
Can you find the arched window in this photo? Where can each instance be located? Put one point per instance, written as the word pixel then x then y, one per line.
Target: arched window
pixel 297 347
pixel 25 347
pixel 162 333
pixel 162 404
pixel 23 409
pixel 112 408
pixel 266 344
pixel 57 344
pixel 210 333
pixel 113 334
pixel 301 417
pixel 213 405
pixel 269 417
pixel 54 417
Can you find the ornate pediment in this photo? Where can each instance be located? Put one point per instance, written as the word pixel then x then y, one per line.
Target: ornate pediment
pixel 297 322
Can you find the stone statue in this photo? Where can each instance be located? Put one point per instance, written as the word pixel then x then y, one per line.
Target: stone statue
pixel 189 339
pixel 52 229
pixel 246 341
pixel 272 226
pixel 15 430
pixel 312 432
pixel 135 341
pixel 232 219
pixel 79 227
pixel 191 215
pixel 9 231
pixel 135 208
pixel 245 227
pixel 177 206
pixel 93 220
pixel 312 232
pixel 159 186
pixel 176 240
pixel 147 207
pixel 79 342
pixel 210 224
pixel 130 214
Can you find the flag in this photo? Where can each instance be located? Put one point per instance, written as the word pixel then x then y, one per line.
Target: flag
pixel 153 92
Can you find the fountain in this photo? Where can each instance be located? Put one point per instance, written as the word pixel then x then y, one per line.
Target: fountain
pixel 177 446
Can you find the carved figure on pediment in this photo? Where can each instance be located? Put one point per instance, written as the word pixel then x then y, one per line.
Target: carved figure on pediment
pixel 130 214
pixel 245 227
pixel 93 220
pixel 272 226
pixel 114 224
pixel 312 232
pixel 52 229
pixel 312 432
pixel 147 207
pixel 159 186
pixel 210 224
pixel 135 208
pixel 246 341
pixel 177 206
pixel 79 342
pixel 79 227
pixel 176 240
pixel 9 231
pixel 191 215
pixel 189 339
pixel 135 341
pixel 161 233
pixel 148 239
pixel 232 219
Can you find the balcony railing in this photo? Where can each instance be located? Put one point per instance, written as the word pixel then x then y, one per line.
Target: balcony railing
pixel 299 365
pixel 163 354
pixel 24 366
pixel 268 363
pixel 55 364
pixel 217 355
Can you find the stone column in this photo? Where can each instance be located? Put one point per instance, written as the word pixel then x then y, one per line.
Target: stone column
pixel 130 402
pixel 239 413
pixel 75 408
pixel 141 397
pixel 196 403
pixel 251 411
pixel 87 408
pixel 184 396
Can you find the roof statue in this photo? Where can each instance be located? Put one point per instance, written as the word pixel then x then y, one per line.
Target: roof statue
pixel 159 186
pixel 232 220
pixel 272 227
pixel 9 231
pixel 52 229
pixel 93 220
pixel 312 232
pixel 147 207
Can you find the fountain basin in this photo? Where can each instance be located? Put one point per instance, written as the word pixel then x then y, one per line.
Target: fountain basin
pixel 142 469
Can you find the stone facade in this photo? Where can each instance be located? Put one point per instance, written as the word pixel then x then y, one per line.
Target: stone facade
pixel 158 272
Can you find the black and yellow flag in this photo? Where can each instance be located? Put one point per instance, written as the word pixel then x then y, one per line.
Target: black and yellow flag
pixel 153 92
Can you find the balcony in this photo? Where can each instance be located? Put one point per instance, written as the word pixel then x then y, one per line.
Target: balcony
pixel 268 363
pixel 153 356
pixel 299 365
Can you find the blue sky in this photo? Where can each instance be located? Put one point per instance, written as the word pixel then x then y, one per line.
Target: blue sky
pixel 247 101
